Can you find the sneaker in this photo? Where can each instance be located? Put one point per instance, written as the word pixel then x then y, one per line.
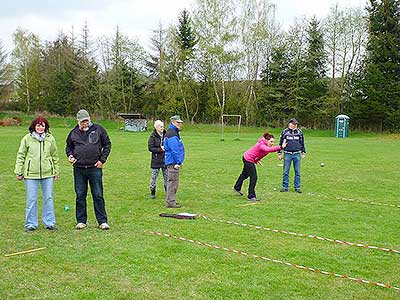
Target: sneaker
pixel 30 229
pixel 252 199
pixel 175 205
pixel 104 226
pixel 52 228
pixel 80 225
pixel 298 191
pixel 238 192
pixel 284 190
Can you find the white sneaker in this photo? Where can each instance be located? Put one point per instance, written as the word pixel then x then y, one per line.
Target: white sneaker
pixel 104 226
pixel 80 225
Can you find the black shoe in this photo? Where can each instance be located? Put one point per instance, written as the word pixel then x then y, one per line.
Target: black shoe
pixel 252 199
pixel 52 228
pixel 284 190
pixel 175 205
pixel 298 191
pixel 29 229
pixel 238 192
pixel 152 194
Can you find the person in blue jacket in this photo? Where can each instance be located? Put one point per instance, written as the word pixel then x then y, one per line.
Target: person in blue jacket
pixel 295 151
pixel 174 157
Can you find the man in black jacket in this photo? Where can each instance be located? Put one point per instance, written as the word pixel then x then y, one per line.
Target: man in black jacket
pixel 88 147
pixel 156 147
pixel 295 151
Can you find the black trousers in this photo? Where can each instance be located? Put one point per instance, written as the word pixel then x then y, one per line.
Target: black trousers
pixel 249 170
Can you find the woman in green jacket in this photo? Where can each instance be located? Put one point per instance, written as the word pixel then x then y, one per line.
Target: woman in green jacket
pixel 38 164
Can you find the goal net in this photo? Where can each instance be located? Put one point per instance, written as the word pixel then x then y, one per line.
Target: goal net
pixel 230 122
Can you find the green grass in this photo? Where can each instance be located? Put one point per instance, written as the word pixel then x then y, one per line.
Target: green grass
pixel 127 263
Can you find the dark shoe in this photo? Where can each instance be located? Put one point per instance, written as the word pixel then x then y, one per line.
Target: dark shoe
pixel 176 205
pixel 252 199
pixel 238 192
pixel 298 191
pixel 284 190
pixel 152 196
pixel 52 228
pixel 29 229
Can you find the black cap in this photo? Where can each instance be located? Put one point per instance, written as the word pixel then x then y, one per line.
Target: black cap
pixel 293 121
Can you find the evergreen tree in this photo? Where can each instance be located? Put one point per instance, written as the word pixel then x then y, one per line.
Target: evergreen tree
pixel 315 84
pixel 60 66
pixel 379 100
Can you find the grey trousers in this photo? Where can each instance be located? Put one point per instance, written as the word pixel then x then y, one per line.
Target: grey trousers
pixel 154 175
pixel 172 185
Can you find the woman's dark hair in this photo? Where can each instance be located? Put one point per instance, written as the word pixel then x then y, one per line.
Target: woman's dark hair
pixel 268 136
pixel 39 120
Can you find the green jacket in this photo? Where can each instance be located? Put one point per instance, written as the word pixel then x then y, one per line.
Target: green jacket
pixel 37 160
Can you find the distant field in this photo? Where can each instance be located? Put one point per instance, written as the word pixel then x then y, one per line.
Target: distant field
pixel 128 263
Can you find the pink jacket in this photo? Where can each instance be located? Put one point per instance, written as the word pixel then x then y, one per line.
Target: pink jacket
pixel 259 150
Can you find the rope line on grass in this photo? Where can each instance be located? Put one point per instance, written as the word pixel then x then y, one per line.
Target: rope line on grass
pixel 301 267
pixel 357 201
pixel 303 235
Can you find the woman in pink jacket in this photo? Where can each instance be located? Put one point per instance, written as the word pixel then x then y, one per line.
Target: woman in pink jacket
pixel 252 157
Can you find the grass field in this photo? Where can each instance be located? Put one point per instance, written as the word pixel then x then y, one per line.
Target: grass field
pixel 128 263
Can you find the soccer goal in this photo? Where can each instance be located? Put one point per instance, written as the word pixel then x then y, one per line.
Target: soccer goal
pixel 235 120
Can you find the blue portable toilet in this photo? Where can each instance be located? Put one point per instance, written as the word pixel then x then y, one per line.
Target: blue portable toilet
pixel 342 126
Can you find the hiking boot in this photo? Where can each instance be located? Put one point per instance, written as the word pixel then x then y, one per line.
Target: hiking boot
pixel 238 192
pixel 298 191
pixel 80 225
pixel 175 205
pixel 52 228
pixel 104 226
pixel 284 190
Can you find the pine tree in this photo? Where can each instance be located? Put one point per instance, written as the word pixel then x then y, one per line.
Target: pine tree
pixel 379 101
pixel 315 85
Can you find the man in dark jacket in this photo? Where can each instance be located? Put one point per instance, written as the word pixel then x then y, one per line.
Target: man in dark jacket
pixel 174 156
pixel 88 147
pixel 156 147
pixel 294 151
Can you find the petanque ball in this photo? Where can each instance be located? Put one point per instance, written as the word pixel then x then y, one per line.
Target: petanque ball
pixel 322 164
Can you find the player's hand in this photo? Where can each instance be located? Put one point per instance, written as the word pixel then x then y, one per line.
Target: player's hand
pixel 98 165
pixel 177 167
pixel 303 155
pixel 284 144
pixel 71 159
pixel 56 177
pixel 20 177
pixel 280 156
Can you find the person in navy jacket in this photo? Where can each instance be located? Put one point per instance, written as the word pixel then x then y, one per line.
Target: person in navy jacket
pixel 174 157
pixel 295 151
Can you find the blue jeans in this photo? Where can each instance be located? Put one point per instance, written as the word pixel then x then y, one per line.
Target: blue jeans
pixel 287 160
pixel 32 190
pixel 93 176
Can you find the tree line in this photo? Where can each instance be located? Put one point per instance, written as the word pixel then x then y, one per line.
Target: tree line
pixel 223 57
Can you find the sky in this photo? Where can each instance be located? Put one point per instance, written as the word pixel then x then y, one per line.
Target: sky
pixel 135 18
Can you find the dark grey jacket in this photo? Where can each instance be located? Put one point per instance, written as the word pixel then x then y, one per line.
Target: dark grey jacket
pixel 157 155
pixel 88 146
